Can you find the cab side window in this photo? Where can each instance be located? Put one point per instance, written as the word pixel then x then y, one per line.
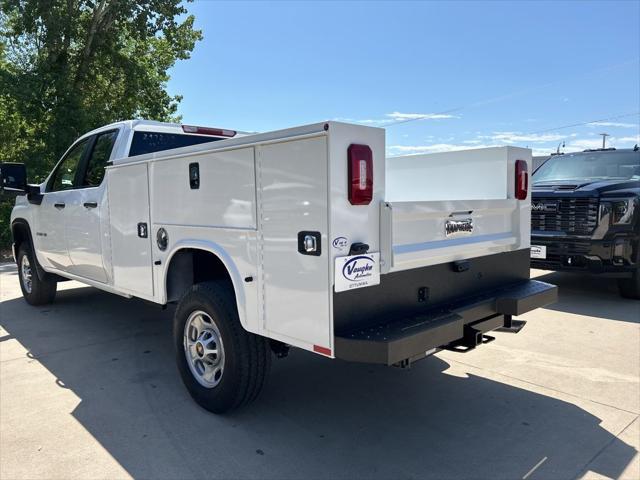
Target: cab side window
pixel 64 176
pixel 99 158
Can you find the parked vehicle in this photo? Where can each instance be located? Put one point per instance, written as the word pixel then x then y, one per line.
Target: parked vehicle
pixel 286 238
pixel 586 216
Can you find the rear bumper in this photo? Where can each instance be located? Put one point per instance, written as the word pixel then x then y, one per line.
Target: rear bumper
pixel 412 338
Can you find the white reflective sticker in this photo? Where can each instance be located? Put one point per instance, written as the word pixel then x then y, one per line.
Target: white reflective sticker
pixel 538 251
pixel 357 271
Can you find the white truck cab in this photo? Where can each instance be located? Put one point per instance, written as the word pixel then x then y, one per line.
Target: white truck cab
pixel 304 237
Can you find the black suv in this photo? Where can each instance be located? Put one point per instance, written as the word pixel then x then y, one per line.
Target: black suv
pixel 585 215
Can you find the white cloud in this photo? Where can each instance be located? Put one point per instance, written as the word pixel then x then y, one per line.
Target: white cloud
pixel 583 144
pixel 633 140
pixel 543 152
pixel 518 137
pixel 397 117
pixel 614 124
pixel 435 148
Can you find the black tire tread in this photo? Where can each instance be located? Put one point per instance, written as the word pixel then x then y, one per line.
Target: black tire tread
pixel 253 355
pixel 43 291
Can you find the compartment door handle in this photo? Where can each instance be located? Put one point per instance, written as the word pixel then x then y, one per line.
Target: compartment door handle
pixel 309 243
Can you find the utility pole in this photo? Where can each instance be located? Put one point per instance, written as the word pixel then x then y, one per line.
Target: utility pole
pixel 604 139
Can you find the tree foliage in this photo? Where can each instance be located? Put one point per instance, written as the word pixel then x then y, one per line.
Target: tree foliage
pixel 68 66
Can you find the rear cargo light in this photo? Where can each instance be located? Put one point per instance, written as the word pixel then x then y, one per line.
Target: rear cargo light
pixel 208 131
pixel 360 174
pixel 522 179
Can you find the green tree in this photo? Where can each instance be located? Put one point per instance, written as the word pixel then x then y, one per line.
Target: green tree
pixel 68 66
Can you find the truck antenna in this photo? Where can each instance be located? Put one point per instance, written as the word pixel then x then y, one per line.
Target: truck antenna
pixel 604 139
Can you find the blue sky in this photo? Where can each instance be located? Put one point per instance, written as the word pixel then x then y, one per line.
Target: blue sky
pixel 475 73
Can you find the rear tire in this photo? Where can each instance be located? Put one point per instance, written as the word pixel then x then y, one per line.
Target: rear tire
pixel 35 291
pixel 223 366
pixel 630 287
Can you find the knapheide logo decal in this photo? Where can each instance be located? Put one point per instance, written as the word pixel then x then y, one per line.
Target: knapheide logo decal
pixel 358 268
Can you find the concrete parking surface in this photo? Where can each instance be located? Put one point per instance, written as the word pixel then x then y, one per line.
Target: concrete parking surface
pixel 89 389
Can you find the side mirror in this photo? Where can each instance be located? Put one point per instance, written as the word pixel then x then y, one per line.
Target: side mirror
pixel 13 178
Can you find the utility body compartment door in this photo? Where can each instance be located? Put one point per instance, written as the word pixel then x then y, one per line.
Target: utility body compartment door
pixel 292 186
pixel 128 190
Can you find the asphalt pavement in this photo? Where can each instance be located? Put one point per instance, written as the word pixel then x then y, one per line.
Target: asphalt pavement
pixel 89 389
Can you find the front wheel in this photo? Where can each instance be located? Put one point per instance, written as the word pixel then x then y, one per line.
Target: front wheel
pixel 630 287
pixel 222 365
pixel 35 291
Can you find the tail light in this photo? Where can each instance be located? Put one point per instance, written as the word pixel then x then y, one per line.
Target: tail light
pixel 208 131
pixel 522 179
pixel 360 174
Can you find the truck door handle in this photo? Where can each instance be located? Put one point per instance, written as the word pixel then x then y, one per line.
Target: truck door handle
pixel 90 204
pixel 59 206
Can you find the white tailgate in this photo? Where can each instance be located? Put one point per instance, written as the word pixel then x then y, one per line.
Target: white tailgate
pixel 452 206
pixel 414 234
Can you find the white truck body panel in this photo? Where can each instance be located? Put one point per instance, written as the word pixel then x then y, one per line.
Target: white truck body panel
pixel 131 255
pixel 476 174
pixel 295 291
pixel 226 197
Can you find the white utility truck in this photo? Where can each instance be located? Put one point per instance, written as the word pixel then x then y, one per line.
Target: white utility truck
pixel 303 237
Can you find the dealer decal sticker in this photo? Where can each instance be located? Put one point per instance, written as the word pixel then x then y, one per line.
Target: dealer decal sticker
pixel 340 243
pixel 357 271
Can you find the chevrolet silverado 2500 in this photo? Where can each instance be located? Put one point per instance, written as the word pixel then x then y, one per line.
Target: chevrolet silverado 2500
pixel 304 237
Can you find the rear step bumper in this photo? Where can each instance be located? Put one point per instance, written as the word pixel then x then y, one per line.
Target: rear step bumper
pixel 460 324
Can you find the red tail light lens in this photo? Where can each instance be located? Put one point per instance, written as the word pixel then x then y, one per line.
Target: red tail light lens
pixel 522 179
pixel 360 174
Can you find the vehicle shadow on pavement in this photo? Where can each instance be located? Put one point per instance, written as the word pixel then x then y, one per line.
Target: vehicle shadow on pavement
pixel 317 418
pixel 592 296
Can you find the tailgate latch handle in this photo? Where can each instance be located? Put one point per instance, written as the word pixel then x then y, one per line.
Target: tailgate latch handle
pixel 358 248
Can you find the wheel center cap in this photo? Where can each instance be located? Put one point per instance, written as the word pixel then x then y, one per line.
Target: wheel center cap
pixel 199 349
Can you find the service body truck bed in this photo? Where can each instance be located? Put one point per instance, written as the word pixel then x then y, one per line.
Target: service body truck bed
pixel 308 237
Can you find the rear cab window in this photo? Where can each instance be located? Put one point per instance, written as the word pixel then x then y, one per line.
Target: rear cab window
pixel 150 142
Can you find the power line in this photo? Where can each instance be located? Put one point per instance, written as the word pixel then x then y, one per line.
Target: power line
pixel 615 117
pixel 499 98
